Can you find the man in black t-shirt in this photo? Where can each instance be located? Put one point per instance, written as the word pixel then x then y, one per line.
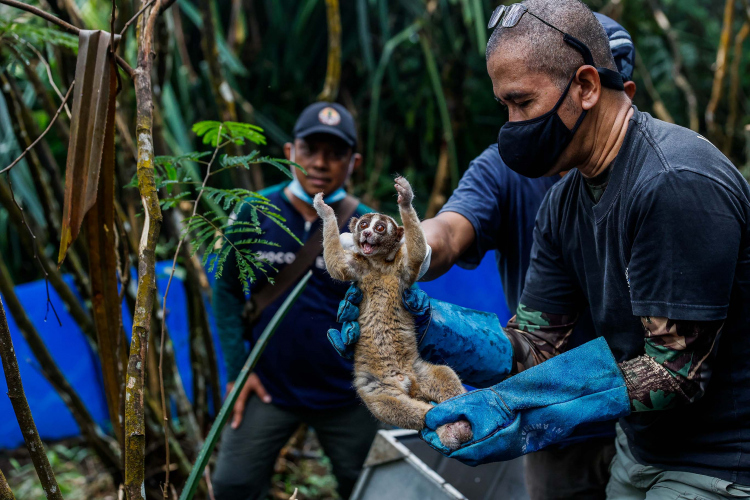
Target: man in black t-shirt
pixel 651 232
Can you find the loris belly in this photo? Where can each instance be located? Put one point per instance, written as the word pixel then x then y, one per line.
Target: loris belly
pixel 391 379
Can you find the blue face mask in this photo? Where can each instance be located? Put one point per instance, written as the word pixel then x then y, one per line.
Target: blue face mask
pixel 531 147
pixel 298 191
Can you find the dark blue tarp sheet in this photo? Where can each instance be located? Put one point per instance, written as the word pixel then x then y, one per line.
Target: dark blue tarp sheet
pixel 479 289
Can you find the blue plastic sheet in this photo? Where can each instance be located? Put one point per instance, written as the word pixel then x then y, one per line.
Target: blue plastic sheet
pixel 478 289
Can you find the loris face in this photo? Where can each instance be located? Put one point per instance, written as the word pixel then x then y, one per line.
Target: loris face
pixel 376 234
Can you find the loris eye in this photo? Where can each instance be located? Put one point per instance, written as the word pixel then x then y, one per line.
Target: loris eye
pixel 380 228
pixel 363 225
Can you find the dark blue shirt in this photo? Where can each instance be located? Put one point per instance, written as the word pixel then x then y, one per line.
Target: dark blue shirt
pixel 502 207
pixel 298 368
pixel 669 238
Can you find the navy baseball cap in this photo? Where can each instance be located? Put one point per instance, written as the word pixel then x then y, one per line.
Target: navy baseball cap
pixel 621 45
pixel 327 118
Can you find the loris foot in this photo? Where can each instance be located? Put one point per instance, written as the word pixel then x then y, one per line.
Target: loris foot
pixel 405 193
pixel 321 207
pixel 454 434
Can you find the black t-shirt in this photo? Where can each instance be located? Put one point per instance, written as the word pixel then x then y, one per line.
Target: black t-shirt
pixel 670 237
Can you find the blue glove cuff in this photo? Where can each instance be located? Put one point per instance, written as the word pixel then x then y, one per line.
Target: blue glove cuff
pixel 471 342
pixel 536 408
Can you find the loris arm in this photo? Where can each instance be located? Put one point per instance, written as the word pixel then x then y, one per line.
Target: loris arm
pixel 416 244
pixel 341 264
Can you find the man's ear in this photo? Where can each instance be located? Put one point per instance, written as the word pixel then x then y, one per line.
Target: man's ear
pixel 288 150
pixel 353 224
pixel 630 89
pixel 590 85
pixel 400 233
pixel 357 161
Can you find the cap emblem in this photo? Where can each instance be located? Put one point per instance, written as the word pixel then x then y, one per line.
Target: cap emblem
pixel 329 116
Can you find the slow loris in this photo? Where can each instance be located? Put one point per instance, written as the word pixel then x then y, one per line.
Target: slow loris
pixel 393 381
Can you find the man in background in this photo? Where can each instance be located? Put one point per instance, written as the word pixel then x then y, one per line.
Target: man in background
pixel 299 378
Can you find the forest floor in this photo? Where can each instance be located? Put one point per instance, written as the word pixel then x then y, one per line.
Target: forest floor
pixel 81 476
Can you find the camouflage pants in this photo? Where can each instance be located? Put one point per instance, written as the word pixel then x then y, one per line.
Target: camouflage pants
pixel 632 481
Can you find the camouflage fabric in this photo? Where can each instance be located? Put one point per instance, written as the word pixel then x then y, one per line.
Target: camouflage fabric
pixel 675 368
pixel 537 336
pixel 677 365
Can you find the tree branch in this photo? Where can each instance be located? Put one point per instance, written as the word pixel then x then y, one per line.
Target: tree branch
pixel 333 70
pixel 5 492
pixel 135 431
pixel 23 412
pixel 49 126
pixel 135 17
pixel 734 86
pixel 679 78
pixel 721 69
pixel 66 26
pixel 89 429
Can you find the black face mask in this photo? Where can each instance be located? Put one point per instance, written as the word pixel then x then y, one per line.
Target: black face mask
pixel 531 147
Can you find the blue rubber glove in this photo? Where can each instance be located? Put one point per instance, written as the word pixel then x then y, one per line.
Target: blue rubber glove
pixel 535 408
pixel 471 342
pixel 343 341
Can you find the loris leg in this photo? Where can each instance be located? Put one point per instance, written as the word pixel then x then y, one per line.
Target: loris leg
pixel 438 383
pixel 416 244
pixel 340 263
pixel 389 403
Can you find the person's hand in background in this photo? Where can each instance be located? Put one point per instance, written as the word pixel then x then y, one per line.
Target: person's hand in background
pixel 253 385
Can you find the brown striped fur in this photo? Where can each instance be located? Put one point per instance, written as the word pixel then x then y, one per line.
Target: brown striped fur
pixel 391 379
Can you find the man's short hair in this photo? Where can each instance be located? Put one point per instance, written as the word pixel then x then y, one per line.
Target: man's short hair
pixel 544 48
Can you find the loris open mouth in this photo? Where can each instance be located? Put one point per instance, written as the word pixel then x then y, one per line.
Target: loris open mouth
pixel 367 248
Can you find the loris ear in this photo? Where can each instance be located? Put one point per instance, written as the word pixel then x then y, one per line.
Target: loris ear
pixel 353 224
pixel 400 233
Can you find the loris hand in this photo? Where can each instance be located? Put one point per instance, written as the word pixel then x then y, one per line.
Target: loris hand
pixel 321 207
pixel 405 193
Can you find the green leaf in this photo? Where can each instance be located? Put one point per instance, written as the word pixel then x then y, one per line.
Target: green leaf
pixel 235 132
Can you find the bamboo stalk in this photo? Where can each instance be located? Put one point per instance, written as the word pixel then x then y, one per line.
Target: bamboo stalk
pixel 660 109
pixel 222 92
pixel 5 492
pixel 734 86
pixel 377 81
pixel 721 69
pixel 223 416
pixel 445 118
pixel 679 79
pixel 333 70
pixel 23 413
pixel 135 432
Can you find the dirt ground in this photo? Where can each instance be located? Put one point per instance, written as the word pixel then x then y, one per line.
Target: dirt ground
pixel 81 476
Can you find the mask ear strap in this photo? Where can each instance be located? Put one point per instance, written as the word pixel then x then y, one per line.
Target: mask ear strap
pixel 609 78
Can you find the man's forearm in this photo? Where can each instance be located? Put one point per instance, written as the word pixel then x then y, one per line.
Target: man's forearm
pixel 676 367
pixel 449 235
pixel 537 336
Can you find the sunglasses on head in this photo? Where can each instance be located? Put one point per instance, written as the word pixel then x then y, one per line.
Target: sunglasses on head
pixel 508 16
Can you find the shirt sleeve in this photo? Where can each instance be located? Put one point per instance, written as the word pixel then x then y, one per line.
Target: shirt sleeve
pixel 550 287
pixel 478 198
pixel 676 367
pixel 685 232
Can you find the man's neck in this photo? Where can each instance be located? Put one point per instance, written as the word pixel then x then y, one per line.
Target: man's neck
pixel 305 209
pixel 610 129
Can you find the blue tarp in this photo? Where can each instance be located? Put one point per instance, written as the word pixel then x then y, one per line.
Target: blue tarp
pixel 479 289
